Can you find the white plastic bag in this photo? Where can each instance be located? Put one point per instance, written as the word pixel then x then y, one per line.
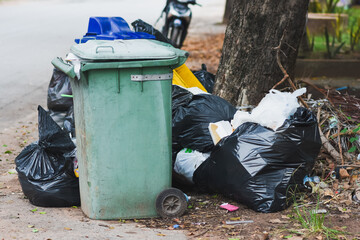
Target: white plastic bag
pixel 240 117
pixel 272 110
pixel 187 161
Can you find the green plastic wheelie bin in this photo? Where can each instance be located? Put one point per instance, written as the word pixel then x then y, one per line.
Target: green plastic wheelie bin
pixel 122 109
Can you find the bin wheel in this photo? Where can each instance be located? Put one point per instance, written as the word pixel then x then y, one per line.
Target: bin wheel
pixel 171 203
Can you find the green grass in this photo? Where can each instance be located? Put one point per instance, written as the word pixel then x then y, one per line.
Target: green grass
pixel 353 13
pixel 313 222
pixel 342 36
pixel 320 44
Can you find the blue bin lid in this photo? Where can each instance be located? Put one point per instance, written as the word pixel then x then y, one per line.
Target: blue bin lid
pixel 111 28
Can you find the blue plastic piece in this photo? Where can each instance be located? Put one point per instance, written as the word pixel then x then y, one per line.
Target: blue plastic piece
pixel 187 198
pixel 111 28
pixel 341 88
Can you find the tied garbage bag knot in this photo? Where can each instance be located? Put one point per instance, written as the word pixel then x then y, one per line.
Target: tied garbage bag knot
pixel 43 144
pixel 206 78
pixel 141 26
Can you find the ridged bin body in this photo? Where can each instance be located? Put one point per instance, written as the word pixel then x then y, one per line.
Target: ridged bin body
pixel 123 131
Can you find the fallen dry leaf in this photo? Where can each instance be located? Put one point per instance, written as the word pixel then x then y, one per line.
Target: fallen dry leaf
pixel 276 221
pixel 346 186
pixel 344 210
pixel 343 173
pixel 177 220
pixel 227 226
pixel 353 179
pixel 295 238
pixel 346 216
pixel 328 192
pixel 335 185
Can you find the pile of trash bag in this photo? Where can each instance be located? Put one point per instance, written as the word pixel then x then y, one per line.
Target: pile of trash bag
pixel 257 162
pixel 46 167
pixel 257 166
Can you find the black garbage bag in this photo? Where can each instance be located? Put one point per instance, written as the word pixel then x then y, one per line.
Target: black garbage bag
pixel 257 166
pixel 206 79
pixel 69 121
pixel 59 84
pixel 141 26
pixel 191 117
pixel 45 168
pixel 58 117
pixel 180 98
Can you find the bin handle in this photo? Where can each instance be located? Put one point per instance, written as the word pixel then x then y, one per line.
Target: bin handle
pixel 63 66
pixel 151 77
pixel 112 48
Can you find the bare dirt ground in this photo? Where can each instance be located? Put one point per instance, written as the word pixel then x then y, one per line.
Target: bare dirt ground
pixel 204 219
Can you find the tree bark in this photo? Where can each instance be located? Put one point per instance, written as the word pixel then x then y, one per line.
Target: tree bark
pixel 228 10
pixel 248 67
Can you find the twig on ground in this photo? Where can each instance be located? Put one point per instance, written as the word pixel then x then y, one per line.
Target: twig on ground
pixel 348 132
pixel 325 142
pixel 339 144
pixel 329 148
pixel 200 234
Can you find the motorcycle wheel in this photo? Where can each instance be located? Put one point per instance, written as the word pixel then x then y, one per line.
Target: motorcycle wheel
pixel 175 37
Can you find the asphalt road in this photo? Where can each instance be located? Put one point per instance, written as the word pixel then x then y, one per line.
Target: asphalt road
pixel 33 32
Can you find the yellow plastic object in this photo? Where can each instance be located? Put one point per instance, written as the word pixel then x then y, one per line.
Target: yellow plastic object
pixel 76 171
pixel 185 78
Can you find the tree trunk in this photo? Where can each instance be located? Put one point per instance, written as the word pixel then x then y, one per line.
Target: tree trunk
pixel 228 10
pixel 248 67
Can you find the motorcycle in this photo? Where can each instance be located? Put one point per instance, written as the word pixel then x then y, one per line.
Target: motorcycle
pixel 177 20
